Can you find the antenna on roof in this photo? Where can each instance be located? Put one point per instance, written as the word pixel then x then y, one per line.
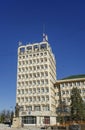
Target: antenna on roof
pixel 45 37
pixel 19 43
pixel 43 28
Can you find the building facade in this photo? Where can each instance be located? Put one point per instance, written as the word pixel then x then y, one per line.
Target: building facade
pixel 36 75
pixel 63 92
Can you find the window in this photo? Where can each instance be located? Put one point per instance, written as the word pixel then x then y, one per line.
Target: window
pixel 30 61
pixel 64 100
pixel 22 50
pixel 20 57
pixel 26 91
pixel 30 82
pixel 22 91
pixel 38 99
pixel 26 83
pixel 18 99
pixel 36 47
pixel 30 91
pixel 38 67
pixel 37 108
pixel 34 61
pixel 26 62
pixel 46 73
pixel 34 83
pixel 45 53
pixel 47 98
pixel 26 99
pixel 30 75
pixel 37 60
pixel 46 81
pixel 46 66
pixel 19 76
pixel 38 82
pixel 22 99
pixel 38 74
pixel 67 92
pixel 42 74
pixel 41 60
pixel 78 83
pixel 41 54
pixel 62 85
pixel 30 68
pixel 23 57
pixel 29 48
pixel 30 99
pixel 34 55
pixel 46 120
pixel 70 84
pixel 29 108
pixel 45 59
pixel 21 108
pixel 42 99
pixel 34 68
pixel 26 56
pixel 30 55
pixel 43 46
pixel 34 91
pixel 46 90
pixel 29 119
pixel 46 108
pixel 19 69
pixel 37 54
pixel 42 90
pixel 26 76
pixel 38 90
pixel 42 82
pixel 18 91
pixel 34 75
pixel 63 92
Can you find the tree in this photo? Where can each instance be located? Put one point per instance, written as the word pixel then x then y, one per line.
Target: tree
pixel 5 116
pixel 77 105
pixel 17 108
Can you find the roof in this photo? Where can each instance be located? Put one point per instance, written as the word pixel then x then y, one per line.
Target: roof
pixel 74 77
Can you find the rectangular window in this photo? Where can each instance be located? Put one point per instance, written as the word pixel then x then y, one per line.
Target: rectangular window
pixel 37 108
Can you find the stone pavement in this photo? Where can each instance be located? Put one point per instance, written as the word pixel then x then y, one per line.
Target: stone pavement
pixel 6 127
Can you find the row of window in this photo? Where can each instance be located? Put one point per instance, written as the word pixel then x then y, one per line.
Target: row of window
pixel 34 61
pixel 33 47
pixel 78 83
pixel 64 100
pixel 33 83
pixel 35 108
pixel 33 75
pixel 33 68
pixel 33 91
pixel 33 99
pixel 33 55
pixel 68 92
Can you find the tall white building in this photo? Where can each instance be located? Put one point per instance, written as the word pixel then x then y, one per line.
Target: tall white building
pixel 36 75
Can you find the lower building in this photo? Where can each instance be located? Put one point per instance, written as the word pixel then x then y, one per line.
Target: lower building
pixel 63 92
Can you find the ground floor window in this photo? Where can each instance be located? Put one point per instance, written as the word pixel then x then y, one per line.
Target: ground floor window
pixel 29 120
pixel 46 120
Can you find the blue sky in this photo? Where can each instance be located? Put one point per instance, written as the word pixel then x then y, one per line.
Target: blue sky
pixel 23 20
